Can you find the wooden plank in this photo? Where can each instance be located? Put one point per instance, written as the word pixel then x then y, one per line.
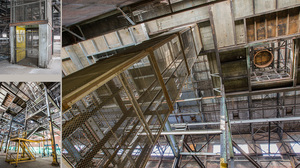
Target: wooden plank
pixel 139 33
pixel 250 29
pixel 293 21
pixel 125 36
pixel 88 45
pixel 80 55
pixel 69 67
pixel 112 40
pixel 260 28
pixel 271 25
pixel 160 79
pixel 100 43
pixel 282 23
pixel 64 54
pixel 72 54
pixel 98 76
pixel 223 26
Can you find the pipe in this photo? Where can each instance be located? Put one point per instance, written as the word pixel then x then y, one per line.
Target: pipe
pixel 199 153
pixel 238 121
pixel 124 14
pixel 53 144
pixel 197 132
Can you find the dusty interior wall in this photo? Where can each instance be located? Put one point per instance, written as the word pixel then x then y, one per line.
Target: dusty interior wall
pixel 243 24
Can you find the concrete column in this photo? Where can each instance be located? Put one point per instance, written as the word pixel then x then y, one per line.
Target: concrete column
pixel 44 45
pixel 12 35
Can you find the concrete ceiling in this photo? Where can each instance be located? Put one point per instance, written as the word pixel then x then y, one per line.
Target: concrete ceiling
pixel 76 11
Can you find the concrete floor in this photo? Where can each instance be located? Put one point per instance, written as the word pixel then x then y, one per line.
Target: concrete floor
pixel 54 66
pixel 39 163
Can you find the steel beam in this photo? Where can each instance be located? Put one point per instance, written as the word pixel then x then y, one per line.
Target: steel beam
pixel 171 139
pixel 74 34
pixel 199 154
pixel 246 155
pixel 262 120
pixel 196 132
pixel 200 163
pixel 124 14
pixel 8 136
pixel 296 60
pixel 223 128
pixel 53 144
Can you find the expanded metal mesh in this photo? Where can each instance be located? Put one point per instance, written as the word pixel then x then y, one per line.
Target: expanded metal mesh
pixel 28 10
pixel 103 128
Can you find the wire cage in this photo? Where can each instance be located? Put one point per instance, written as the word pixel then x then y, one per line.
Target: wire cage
pixel 28 10
pixel 115 109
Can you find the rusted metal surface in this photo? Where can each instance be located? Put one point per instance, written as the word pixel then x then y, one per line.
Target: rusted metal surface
pixel 263 58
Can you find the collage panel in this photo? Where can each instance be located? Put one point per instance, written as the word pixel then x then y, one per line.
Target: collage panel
pixel 149 83
pixel 30 124
pixel 180 83
pixel 30 40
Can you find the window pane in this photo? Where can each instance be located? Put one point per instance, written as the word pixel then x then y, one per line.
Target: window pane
pixel 216 149
pixel 273 149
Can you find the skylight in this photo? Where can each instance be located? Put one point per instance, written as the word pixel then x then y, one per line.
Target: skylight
pixel 273 149
pixel 244 148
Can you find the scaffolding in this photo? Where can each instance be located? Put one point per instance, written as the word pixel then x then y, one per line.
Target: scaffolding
pixel 30 114
pixel 24 151
pixel 106 111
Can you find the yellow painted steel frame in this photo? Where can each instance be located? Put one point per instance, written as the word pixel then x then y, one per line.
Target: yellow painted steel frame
pixel 20 43
pixel 23 144
pixel 1 144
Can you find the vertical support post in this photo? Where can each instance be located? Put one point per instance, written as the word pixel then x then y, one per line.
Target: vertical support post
pixel 44 51
pixel 269 140
pixel 7 140
pixel 285 55
pixel 223 139
pixel 249 69
pixel 160 79
pixel 18 153
pixel 183 52
pixel 132 35
pixel 296 59
pixel 172 140
pixel 278 56
pixel 136 107
pixel 12 35
pixel 177 160
pixel 1 144
pixel 54 154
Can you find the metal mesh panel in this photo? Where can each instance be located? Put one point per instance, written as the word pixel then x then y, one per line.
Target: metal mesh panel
pixel 27 10
pixel 189 47
pixel 123 118
pixel 172 66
